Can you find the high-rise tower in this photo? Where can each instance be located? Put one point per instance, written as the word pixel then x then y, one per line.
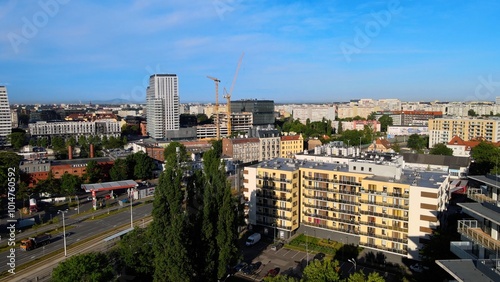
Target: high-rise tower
pixel 162 101
pixel 5 117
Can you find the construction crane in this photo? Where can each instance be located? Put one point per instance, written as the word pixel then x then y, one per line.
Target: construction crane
pixel 217 124
pixel 228 96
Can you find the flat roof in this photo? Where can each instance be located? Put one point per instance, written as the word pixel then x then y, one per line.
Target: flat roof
pixel 109 185
pixel 486 180
pixel 117 235
pixel 464 270
pixel 488 211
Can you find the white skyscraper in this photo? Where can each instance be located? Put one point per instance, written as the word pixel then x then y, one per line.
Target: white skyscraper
pixel 162 101
pixel 5 117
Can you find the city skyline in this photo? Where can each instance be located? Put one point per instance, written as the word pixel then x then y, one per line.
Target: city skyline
pixel 65 51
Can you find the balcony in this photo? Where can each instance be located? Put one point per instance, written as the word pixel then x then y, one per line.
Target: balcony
pixel 350 231
pixel 472 230
pixel 462 249
pixel 274 207
pixel 274 188
pixel 391 227
pixel 318 197
pixel 274 197
pixel 477 195
pixel 384 215
pixel 381 193
pixel 318 188
pixel 383 204
pixel 320 207
pixel 380 247
pixel 271 224
pixel 319 216
pixel 289 218
pixel 269 178
pixel 332 180
pixel 384 237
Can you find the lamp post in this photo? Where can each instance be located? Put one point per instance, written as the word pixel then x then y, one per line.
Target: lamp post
pixel 353 261
pixel 64 230
pixel 131 200
pixel 78 203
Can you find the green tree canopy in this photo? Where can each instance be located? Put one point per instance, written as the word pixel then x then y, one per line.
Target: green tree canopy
pixel 322 270
pixel 136 253
pixel 171 155
pixel 17 140
pixel 441 149
pixel 485 159
pixel 93 172
pixel 85 267
pixel 144 166
pixel 471 113
pixel 416 142
pixel 119 171
pixel 385 121
pixel 70 184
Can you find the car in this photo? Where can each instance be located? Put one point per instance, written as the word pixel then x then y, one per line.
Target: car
pixel 417 267
pixel 239 266
pixel 277 246
pixel 319 256
pixel 251 268
pixel 273 272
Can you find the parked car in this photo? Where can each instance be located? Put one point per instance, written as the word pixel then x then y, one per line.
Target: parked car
pixel 273 272
pixel 417 267
pixel 239 266
pixel 252 268
pixel 277 246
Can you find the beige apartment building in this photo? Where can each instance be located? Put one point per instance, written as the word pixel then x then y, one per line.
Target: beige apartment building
pixel 290 145
pixel 442 130
pixel 374 198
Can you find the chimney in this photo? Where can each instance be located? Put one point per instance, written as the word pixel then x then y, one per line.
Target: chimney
pixel 70 152
pixel 91 151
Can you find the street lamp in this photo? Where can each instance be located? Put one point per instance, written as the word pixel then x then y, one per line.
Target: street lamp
pixel 78 203
pixel 353 261
pixel 131 217
pixel 64 230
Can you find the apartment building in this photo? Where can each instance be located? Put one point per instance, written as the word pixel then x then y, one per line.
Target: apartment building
pixel 314 113
pixel 5 117
pixel 245 150
pixel 269 140
pixel 290 145
pixel 443 129
pixel 479 248
pixel 271 191
pixel 101 128
pixel 373 198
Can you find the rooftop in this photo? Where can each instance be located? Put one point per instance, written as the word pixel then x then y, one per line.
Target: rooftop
pixel 486 210
pixel 467 270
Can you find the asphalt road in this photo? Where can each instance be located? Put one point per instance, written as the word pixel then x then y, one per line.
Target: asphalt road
pixel 78 231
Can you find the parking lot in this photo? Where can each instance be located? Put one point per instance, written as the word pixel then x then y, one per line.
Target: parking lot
pixel 288 261
pixel 291 262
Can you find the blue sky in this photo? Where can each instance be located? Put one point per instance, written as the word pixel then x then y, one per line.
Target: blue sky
pixel 295 51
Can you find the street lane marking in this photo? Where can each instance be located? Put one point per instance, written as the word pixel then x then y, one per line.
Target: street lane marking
pixel 295 254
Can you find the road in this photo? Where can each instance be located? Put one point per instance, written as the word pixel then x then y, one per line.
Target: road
pixel 79 231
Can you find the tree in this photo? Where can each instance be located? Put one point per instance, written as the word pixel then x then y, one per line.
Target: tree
pixel 441 149
pixel 119 171
pixel 70 184
pixel 322 270
pixel 385 121
pixel 361 277
pixel 171 241
pixel 471 113
pixel 416 142
pixel 485 159
pixel 93 172
pixel 49 185
pixel 85 267
pixel 217 146
pixel 170 153
pixel 136 252
pixel 17 139
pixel 395 146
pixel 372 116
pixel 280 278
pixel 144 166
